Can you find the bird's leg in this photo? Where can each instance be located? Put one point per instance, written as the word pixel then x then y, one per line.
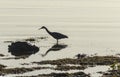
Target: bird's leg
pixel 57 41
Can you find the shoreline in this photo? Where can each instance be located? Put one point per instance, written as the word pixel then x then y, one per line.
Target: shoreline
pixel 67 64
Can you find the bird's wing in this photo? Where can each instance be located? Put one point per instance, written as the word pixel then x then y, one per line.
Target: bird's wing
pixel 56 34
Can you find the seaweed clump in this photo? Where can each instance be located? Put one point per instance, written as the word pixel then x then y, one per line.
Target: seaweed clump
pixel 5 71
pixel 77 74
pixel 66 67
pixel 112 73
pixel 22 48
pixel 30 39
pixel 96 60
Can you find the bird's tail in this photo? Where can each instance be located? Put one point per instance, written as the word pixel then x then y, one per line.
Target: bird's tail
pixel 66 36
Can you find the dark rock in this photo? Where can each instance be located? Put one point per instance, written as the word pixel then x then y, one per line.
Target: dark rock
pixel 8 41
pixel 22 48
pixel 1 55
pixel 2 66
pixel 79 56
pixel 77 74
pixel 30 39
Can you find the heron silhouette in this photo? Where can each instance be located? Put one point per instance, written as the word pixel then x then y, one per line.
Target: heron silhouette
pixel 55 35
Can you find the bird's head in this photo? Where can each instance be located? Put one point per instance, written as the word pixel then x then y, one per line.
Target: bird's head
pixel 43 27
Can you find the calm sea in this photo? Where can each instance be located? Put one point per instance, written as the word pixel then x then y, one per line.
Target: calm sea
pixel 93 27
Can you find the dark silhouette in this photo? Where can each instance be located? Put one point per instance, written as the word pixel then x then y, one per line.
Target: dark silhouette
pixel 55 35
pixel 79 56
pixel 22 48
pixel 55 47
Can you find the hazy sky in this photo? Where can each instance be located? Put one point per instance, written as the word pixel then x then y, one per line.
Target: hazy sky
pixel 59 11
pixel 62 8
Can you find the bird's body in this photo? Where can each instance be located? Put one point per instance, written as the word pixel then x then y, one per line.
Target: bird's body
pixel 55 35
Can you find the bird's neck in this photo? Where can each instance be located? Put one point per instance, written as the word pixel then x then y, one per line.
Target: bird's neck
pixel 47 30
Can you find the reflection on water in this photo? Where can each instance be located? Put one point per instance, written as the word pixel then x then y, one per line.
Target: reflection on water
pixel 56 47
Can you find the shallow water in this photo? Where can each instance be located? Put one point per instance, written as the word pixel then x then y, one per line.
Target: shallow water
pixel 93 27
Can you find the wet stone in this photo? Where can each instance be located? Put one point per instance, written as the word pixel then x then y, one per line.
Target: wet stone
pixel 22 48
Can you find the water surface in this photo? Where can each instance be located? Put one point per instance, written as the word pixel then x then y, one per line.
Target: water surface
pixel 93 27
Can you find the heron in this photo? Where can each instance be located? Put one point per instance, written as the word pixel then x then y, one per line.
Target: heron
pixel 55 35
